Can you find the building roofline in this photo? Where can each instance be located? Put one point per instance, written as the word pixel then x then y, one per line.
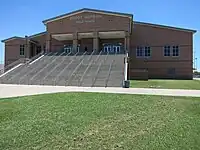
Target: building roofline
pixel 37 34
pixel 87 10
pixel 17 37
pixel 165 26
pixel 12 38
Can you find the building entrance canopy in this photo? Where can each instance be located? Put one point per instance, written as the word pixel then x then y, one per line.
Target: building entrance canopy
pixel 101 35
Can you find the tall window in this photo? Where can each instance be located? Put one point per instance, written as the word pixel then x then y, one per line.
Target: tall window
pixel 22 48
pixel 147 51
pixel 139 51
pixel 167 51
pixel 175 51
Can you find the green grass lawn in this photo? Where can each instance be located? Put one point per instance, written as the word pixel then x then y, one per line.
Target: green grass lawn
pixel 167 84
pixel 99 121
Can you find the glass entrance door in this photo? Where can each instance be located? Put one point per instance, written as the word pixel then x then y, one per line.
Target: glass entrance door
pixel 112 49
pixel 117 49
pixel 107 49
pixel 68 49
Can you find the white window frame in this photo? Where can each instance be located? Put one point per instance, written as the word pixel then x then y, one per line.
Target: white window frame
pixel 164 48
pixel 177 51
pixel 139 48
pixel 22 50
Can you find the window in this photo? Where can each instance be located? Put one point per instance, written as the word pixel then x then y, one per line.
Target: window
pixel 21 52
pixel 139 51
pixel 167 51
pixel 147 51
pixel 175 51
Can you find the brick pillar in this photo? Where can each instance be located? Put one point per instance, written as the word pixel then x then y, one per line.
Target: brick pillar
pixel 48 43
pixel 75 45
pixel 27 47
pixel 75 42
pixel 127 42
pixel 96 41
pixel 96 44
pixel 125 46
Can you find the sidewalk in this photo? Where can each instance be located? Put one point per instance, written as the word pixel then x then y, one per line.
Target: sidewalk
pixel 24 90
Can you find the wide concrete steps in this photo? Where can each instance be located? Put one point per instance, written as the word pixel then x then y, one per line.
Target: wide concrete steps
pixel 61 69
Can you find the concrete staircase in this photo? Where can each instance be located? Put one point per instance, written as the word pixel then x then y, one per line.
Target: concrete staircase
pixel 80 69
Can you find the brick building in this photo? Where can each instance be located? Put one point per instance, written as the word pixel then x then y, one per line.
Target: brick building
pixel 155 51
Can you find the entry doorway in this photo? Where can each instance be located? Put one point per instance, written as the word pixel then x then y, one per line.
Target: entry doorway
pixel 117 49
pixel 112 49
pixel 69 49
pixel 107 49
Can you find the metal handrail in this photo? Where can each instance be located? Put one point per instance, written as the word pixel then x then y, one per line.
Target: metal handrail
pixel 53 60
pixel 13 64
pixel 35 57
pixel 98 57
pixel 18 74
pixel 30 71
pixel 65 68
pixel 97 72
pixel 77 67
pixel 81 79
pixel 55 67
pixel 86 70
pixel 93 61
pixel 108 76
pixel 91 55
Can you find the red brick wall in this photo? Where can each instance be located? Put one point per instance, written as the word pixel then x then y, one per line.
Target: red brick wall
pixel 12 50
pixel 157 38
pixel 104 23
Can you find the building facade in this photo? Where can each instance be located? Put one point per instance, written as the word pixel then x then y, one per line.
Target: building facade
pixel 155 51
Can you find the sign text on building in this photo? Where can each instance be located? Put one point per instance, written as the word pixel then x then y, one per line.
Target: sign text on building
pixel 85 19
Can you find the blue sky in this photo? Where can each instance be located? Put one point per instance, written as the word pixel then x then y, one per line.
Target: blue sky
pixel 23 17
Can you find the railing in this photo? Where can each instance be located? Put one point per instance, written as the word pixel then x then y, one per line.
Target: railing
pixel 96 74
pixel 86 70
pixel 58 75
pixel 13 64
pixel 30 71
pixel 17 62
pixel 91 55
pixel 109 71
pixel 36 57
pixel 53 60
pixel 54 68
pixel 72 74
pixel 98 56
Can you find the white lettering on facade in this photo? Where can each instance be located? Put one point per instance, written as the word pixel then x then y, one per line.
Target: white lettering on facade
pixel 85 19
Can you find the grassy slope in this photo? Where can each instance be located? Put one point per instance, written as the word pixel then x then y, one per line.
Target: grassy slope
pixel 94 121
pixel 167 84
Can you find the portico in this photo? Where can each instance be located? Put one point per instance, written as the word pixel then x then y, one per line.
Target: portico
pixel 108 41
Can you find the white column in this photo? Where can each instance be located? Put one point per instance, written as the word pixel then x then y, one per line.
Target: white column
pixel 126 68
